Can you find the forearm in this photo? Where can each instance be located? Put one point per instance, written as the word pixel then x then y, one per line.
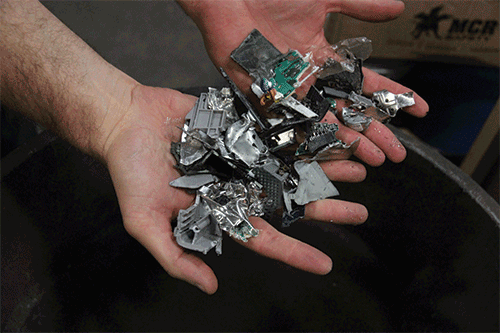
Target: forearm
pixel 52 76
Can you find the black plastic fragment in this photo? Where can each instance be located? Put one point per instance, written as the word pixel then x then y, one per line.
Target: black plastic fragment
pixel 243 99
pixel 273 187
pixel 256 54
pixel 296 214
pixel 345 81
pixel 317 103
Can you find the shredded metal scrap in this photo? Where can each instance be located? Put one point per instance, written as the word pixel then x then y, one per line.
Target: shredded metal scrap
pixel 240 160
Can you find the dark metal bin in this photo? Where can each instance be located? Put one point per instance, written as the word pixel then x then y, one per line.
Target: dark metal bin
pixel 426 260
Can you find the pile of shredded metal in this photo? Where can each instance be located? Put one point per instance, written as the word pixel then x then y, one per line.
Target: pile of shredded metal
pixel 244 160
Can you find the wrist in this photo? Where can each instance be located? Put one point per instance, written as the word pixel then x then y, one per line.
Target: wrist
pixel 112 108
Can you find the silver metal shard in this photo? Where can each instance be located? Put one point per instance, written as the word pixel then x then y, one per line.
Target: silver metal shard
pixel 354 119
pixel 313 183
pixel 193 181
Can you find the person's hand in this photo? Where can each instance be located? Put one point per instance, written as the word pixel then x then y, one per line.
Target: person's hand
pixel 141 166
pixel 299 25
pixel 53 77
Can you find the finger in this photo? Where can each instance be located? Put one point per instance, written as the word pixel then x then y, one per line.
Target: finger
pixel 158 239
pixel 367 151
pixel 368 10
pixel 383 138
pixel 375 82
pixel 336 211
pixel 275 245
pixel 344 171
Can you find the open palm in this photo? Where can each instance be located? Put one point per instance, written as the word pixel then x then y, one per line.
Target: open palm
pixel 141 167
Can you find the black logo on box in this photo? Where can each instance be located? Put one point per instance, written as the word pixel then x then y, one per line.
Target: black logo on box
pixel 457 29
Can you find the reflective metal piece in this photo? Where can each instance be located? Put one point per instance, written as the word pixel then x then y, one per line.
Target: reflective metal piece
pixel 354 119
pixel 360 101
pixel 192 149
pixel 351 51
pixel 274 121
pixel 391 103
pixel 229 205
pixel 405 99
pixel 222 100
pixel 242 140
pixel 313 183
pixel 335 93
pixel 282 139
pixel 194 181
pixel 256 205
pixel 295 105
pixel 360 47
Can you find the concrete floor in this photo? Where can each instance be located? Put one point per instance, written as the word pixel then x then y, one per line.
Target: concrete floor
pixel 154 42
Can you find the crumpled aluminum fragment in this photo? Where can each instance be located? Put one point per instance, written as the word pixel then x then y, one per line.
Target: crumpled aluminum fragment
pixel 256 205
pixel 313 183
pixel 191 148
pixel 360 47
pixel 391 103
pixel 274 121
pixel 242 140
pixel 354 119
pixel 229 205
pixel 360 101
pixel 222 100
pixel 352 49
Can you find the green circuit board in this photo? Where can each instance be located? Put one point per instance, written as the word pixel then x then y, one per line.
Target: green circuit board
pixel 287 72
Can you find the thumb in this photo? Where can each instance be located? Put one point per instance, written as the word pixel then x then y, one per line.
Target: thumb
pixel 368 10
pixel 159 241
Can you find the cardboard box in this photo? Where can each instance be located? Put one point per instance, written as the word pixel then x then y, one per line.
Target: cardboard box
pixel 449 31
